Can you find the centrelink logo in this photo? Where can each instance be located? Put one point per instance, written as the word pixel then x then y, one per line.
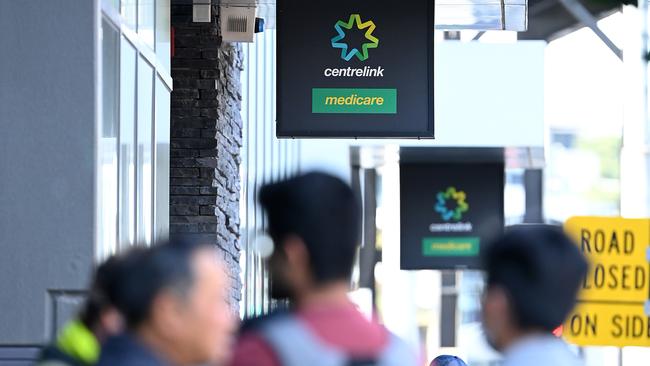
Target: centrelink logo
pixel 454 196
pixel 348 52
pixel 451 204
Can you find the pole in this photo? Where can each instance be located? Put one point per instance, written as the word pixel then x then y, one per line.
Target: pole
pixel 620 357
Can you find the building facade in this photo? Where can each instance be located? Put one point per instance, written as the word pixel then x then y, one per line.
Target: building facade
pixel 98 154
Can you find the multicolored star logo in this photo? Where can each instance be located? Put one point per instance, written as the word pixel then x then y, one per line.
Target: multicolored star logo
pixel 443 209
pixel 346 52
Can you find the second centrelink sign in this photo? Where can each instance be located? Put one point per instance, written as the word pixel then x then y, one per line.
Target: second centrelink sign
pixel 355 68
pixel 449 211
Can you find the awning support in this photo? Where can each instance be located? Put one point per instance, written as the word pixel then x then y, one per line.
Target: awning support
pixel 585 17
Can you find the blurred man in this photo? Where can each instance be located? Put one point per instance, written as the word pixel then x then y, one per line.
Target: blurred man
pixel 79 342
pixel 314 221
pixel 533 276
pixel 175 305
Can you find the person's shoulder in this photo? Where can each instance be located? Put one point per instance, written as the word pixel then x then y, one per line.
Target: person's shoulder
pixel 253 350
pixel 543 360
pixel 256 324
pixel 125 350
pixel 54 356
pixel 542 351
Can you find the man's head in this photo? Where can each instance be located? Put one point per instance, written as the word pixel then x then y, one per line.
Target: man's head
pixel 175 298
pixel 533 276
pixel 314 221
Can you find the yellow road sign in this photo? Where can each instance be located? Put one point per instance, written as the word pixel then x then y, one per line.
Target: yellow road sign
pixel 615 291
pixel 600 324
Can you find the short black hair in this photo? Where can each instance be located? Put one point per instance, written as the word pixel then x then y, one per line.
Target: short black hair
pixel 541 270
pixel 164 266
pixel 325 213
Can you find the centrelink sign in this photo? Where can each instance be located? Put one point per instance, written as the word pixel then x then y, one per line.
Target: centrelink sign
pixel 355 68
pixel 450 209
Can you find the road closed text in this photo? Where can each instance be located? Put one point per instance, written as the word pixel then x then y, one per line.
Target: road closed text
pixel 614 275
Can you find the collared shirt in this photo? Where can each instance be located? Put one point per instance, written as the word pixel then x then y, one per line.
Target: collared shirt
pixel 541 350
pixel 126 350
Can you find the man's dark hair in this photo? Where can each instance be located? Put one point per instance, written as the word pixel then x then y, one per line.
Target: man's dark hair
pixel 165 266
pixel 323 211
pixel 541 270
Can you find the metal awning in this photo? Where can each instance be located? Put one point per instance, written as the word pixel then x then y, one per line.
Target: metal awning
pixel 533 19
pixel 551 19
pixel 449 14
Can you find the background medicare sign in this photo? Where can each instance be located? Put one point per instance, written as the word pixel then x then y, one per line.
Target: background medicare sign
pixel 612 301
pixel 449 212
pixel 361 68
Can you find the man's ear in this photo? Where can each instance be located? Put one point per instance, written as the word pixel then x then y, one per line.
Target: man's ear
pixel 496 303
pixel 296 252
pixel 112 322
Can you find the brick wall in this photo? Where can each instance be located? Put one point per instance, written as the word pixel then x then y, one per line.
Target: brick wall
pixel 206 136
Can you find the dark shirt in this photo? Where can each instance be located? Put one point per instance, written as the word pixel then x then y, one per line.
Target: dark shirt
pixel 54 355
pixel 126 350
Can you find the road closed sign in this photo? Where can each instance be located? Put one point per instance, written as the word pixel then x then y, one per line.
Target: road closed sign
pixel 613 297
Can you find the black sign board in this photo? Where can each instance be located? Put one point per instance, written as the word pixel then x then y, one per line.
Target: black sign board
pixel 449 212
pixel 355 68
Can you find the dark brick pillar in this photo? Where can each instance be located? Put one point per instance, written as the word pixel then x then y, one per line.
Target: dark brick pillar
pixel 206 136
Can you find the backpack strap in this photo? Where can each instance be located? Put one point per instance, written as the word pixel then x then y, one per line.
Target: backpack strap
pixel 296 345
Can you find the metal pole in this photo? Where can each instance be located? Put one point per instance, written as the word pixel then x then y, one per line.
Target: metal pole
pixel 533 183
pixel 368 253
pixel 635 153
pixel 584 16
pixel 620 357
pixel 448 309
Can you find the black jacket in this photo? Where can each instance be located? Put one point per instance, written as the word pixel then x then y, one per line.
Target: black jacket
pixel 126 350
pixel 52 355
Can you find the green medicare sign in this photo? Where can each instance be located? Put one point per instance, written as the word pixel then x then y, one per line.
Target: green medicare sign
pixel 450 247
pixel 361 68
pixel 333 100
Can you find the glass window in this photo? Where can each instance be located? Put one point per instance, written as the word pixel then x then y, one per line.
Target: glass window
pixel 162 136
pixel 144 210
pixel 146 21
pixel 129 12
pixel 127 145
pixel 107 147
pixel 163 36
pixel 114 3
